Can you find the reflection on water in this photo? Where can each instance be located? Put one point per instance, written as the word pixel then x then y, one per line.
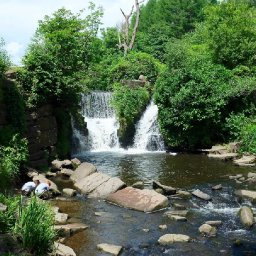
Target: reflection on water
pixel 125 227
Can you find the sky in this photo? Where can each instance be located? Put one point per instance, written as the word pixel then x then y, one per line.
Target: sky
pixel 19 19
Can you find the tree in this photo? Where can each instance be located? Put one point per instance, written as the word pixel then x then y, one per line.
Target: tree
pixel 4 58
pixel 60 51
pixel 125 41
pixel 231 27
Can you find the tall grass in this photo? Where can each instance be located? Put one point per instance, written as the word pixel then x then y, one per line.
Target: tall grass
pixel 35 227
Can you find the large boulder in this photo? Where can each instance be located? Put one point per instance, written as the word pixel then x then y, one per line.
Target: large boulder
pixel 91 182
pixel 246 216
pixel 173 238
pixel 108 187
pixel 142 200
pixel 208 230
pixel 82 171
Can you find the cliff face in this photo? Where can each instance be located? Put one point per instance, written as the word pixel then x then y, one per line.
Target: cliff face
pixel 42 135
pixel 41 126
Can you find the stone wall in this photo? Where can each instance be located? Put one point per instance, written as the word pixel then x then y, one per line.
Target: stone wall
pixel 42 135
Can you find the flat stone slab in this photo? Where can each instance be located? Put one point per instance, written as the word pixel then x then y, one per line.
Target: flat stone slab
pixel 82 171
pixel 217 150
pixel 91 182
pixel 177 218
pixel 245 160
pixel 198 193
pixel 227 156
pixel 61 218
pixel 167 189
pixel 173 238
pixel 214 223
pixel 110 248
pixel 141 200
pixel 66 172
pixel 251 194
pixel 182 213
pixel 108 187
pixel 69 229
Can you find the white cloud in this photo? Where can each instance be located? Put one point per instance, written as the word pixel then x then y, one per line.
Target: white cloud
pixel 15 51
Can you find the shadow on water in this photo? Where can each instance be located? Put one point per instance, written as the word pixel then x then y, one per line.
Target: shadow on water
pixel 138 232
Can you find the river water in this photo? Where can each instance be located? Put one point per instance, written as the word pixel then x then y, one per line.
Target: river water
pixel 138 232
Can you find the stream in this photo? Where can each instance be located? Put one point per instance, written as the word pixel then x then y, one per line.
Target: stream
pixel 138 232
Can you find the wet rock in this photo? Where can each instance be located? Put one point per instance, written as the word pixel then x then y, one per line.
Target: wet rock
pixel 184 194
pixel 177 218
pixel 251 175
pixel 3 208
pixel 50 174
pixel 207 230
pixel 91 182
pixel 234 177
pixel 218 150
pixel 179 206
pixel 82 171
pixel 246 161
pixel 159 190
pixel 214 222
pixel 66 172
pixel 246 193
pixel 167 189
pixel 55 209
pixel 57 165
pixel 198 193
pixel 110 248
pixel 61 218
pixel 246 216
pixel 75 162
pixel 106 188
pixel 173 238
pixel 142 200
pixel 217 187
pixel 242 179
pixel 69 229
pixel 163 227
pixel 227 156
pixel 179 213
pixel 146 230
pixel 63 250
pixel 69 192
pixel 138 185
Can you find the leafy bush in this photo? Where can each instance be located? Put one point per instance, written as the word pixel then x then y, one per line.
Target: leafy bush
pixel 135 64
pixel 128 103
pixel 11 159
pixel 35 227
pixel 248 138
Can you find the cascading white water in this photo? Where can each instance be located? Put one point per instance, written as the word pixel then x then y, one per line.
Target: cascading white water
pixel 148 136
pixel 101 122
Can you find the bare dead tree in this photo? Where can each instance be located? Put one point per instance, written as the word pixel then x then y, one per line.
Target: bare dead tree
pixel 125 41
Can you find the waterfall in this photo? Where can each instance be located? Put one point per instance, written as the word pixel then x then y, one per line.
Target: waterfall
pixel 101 122
pixel 148 136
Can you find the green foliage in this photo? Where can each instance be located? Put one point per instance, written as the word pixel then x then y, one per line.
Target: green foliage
pixel 248 137
pixel 4 59
pixel 128 103
pixel 231 27
pixel 64 133
pixel 11 159
pixel 135 64
pixel 191 100
pixel 59 53
pixel 8 218
pixel 35 226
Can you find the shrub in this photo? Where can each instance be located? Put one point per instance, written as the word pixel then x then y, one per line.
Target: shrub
pixel 35 227
pixel 128 103
pixel 135 64
pixel 248 138
pixel 12 157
